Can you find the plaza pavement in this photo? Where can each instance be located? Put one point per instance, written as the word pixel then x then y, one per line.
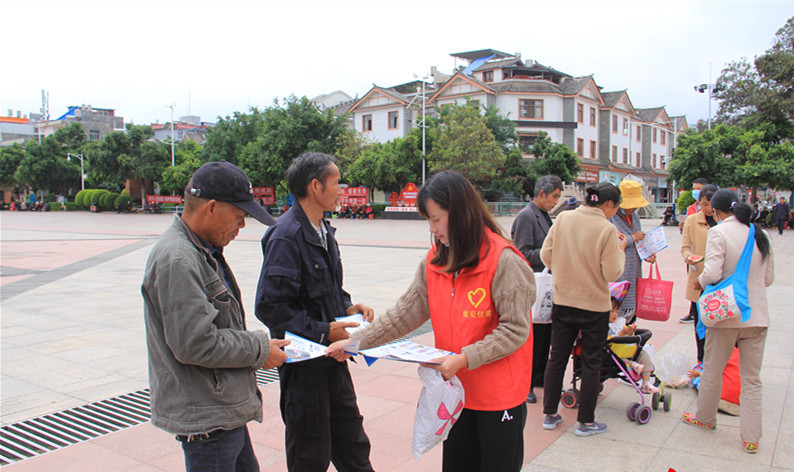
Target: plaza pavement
pixel 72 333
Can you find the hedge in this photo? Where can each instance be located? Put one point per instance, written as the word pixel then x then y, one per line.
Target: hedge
pixel 72 206
pixel 55 206
pixel 106 201
pixel 122 200
pixel 79 199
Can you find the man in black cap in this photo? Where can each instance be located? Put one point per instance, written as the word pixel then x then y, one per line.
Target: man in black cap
pixel 202 360
pixel 300 291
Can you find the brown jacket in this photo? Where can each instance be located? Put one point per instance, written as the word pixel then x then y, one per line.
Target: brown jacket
pixel 693 241
pixel 723 249
pixel 582 252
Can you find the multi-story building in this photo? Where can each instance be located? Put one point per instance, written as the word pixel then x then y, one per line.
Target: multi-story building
pixel 188 127
pixel 611 138
pixel 97 122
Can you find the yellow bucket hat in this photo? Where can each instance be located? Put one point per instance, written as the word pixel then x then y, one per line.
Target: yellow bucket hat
pixel 631 191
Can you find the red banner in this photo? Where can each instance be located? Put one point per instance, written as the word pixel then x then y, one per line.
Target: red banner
pixel 267 194
pixel 354 196
pixel 163 199
pixel 409 194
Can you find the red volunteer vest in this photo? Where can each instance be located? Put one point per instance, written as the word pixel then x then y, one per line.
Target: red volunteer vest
pixel 462 312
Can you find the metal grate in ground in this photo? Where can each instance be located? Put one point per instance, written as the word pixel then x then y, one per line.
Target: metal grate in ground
pixel 36 436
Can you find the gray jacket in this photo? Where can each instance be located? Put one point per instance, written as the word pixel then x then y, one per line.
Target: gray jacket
pixel 201 358
pixel 528 232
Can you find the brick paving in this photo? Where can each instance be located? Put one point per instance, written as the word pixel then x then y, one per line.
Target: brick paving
pixel 72 333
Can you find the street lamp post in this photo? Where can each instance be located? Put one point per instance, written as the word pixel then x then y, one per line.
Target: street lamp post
pixel 82 168
pixel 702 88
pixel 171 106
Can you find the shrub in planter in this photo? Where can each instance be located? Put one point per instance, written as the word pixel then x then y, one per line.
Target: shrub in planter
pixel 106 201
pixel 56 206
pixel 122 200
pixel 72 206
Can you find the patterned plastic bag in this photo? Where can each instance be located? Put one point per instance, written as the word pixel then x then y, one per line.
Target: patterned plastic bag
pixel 440 405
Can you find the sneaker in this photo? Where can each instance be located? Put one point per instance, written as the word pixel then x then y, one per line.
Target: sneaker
pixel 590 429
pixel 551 421
pixel 687 319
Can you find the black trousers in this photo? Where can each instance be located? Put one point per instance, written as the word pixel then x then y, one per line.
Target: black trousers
pixel 541 342
pixel 486 441
pixel 701 343
pixel 566 323
pixel 323 424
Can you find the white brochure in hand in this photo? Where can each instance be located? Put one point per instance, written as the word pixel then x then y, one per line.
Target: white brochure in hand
pixel 301 349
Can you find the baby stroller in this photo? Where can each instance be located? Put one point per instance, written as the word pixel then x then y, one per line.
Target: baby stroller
pixel 613 366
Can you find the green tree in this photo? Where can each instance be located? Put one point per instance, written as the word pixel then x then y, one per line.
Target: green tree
pixel 188 159
pixel 517 176
pixel 462 142
pixel 554 159
pixel 706 154
pixel 388 166
pixel 10 158
pixel 45 166
pixel 761 91
pixel 229 136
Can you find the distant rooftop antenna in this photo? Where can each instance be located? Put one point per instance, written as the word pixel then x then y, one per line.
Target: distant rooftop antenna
pixel 45 104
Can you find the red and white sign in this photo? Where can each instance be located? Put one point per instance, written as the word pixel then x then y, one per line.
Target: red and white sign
pixel 412 208
pixel 354 196
pixel 163 199
pixel 267 194
pixel 409 194
pixel 587 175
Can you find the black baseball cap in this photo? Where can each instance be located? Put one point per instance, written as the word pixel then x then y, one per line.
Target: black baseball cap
pixel 225 182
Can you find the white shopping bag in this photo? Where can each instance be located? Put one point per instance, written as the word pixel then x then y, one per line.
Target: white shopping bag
pixel 541 309
pixel 440 405
pixel 672 369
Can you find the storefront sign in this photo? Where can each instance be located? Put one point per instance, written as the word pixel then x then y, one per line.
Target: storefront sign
pixel 163 199
pixel 587 175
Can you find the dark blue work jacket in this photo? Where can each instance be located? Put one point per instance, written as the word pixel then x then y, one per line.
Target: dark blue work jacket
pixel 300 285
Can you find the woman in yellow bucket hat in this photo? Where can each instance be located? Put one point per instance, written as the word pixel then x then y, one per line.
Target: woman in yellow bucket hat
pixel 627 222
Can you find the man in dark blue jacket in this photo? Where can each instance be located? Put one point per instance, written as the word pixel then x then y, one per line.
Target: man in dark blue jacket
pixel 782 209
pixel 300 291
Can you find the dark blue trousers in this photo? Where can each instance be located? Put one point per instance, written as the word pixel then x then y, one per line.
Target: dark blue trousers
pixel 231 451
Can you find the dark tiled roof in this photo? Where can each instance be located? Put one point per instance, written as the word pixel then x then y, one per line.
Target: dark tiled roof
pixel 573 85
pixel 499 64
pixel 393 93
pixel 611 98
pixel 648 114
pixel 474 55
pixel 527 86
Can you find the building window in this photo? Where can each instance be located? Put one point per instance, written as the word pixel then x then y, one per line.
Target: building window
pixel 592 149
pixel 614 153
pixel 580 147
pixel 625 156
pixel 366 123
pixel 526 142
pixel 93 135
pixel 654 161
pixel 487 76
pixel 592 116
pixel 661 160
pixel 654 135
pixel 394 119
pixel 579 113
pixel 664 137
pixel 639 134
pixel 614 124
pixel 637 160
pixel 530 109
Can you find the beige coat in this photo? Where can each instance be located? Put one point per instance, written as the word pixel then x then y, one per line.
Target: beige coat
pixel 693 241
pixel 723 249
pixel 583 253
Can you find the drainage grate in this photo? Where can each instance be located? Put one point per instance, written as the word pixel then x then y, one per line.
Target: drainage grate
pixel 36 436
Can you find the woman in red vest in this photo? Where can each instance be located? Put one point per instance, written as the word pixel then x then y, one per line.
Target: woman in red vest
pixel 477 290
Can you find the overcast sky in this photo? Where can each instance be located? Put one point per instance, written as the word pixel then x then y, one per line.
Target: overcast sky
pixel 216 57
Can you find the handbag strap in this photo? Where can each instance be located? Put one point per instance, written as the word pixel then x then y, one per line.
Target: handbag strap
pixel 743 266
pixel 650 271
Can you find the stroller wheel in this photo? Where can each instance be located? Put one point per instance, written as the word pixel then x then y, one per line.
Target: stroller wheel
pixel 643 414
pixel 655 401
pixel 631 411
pixel 570 399
pixel 667 399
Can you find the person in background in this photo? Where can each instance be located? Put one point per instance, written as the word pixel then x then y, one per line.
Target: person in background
pixel 528 232
pixel 724 247
pixel 485 322
pixel 627 222
pixel 697 184
pixel 693 250
pixel 202 360
pixel 585 252
pixel 781 210
pixel 300 291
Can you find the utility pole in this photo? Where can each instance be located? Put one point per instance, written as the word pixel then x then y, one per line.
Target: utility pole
pixel 171 106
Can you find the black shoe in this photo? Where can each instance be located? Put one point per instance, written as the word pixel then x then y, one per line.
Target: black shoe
pixel 531 398
pixel 690 318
